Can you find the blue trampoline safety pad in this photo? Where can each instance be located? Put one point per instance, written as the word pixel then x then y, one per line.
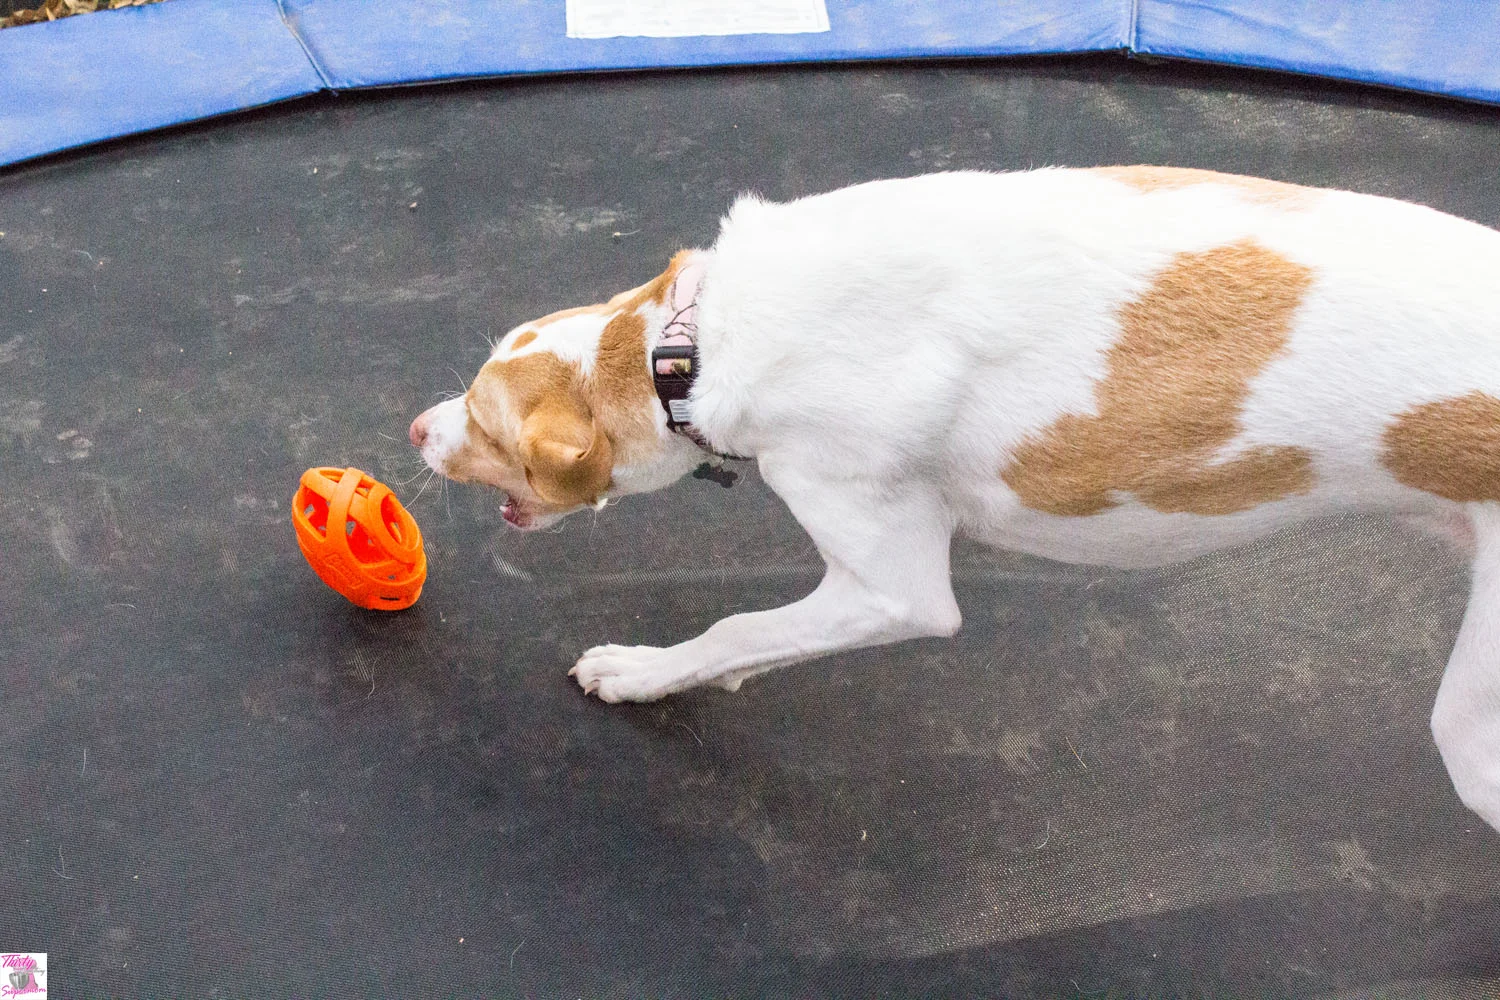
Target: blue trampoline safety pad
pixel 369 43
pixel 85 79
pixel 1431 45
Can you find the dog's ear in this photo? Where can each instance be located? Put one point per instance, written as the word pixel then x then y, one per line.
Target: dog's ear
pixel 569 460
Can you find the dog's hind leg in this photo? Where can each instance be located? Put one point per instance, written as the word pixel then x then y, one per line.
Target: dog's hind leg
pixel 886 551
pixel 1466 718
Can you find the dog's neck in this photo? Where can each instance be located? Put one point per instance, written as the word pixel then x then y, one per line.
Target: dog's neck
pixel 657 452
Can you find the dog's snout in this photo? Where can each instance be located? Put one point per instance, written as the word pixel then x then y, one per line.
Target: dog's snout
pixel 418 432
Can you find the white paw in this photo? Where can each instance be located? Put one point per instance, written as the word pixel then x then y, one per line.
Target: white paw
pixel 626 673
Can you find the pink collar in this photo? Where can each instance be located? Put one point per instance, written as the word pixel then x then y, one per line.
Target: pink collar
pixel 683 301
pixel 674 358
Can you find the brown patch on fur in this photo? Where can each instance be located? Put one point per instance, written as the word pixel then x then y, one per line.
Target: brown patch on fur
pixel 1147 179
pixel 621 387
pixel 526 383
pixel 597 309
pixel 523 340
pixel 1176 382
pixel 657 289
pixel 1450 447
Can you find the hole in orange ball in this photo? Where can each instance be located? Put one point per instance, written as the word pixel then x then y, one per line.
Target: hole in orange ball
pixel 315 509
pixel 390 514
pixel 361 545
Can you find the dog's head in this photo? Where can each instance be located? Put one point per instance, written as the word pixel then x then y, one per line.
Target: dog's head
pixel 563 415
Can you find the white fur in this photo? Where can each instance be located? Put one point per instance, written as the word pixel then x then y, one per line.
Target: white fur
pixel 882 349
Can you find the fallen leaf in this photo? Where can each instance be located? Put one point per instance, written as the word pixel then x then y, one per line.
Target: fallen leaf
pixel 51 10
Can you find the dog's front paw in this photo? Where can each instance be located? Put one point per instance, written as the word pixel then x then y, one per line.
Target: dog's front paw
pixel 626 673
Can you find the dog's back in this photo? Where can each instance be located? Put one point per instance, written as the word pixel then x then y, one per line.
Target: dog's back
pixel 1125 366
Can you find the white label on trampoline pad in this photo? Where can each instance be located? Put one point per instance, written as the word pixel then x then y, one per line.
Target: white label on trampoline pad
pixel 676 18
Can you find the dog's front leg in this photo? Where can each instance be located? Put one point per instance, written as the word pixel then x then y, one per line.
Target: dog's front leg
pixel 886 580
pixel 1466 717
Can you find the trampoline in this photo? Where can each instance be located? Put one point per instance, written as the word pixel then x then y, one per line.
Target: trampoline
pixel 221 780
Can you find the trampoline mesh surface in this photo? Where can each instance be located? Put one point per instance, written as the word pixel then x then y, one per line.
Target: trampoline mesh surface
pixel 220 780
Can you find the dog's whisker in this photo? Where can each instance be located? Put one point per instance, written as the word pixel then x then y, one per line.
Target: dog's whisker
pixel 413 477
pixel 424 487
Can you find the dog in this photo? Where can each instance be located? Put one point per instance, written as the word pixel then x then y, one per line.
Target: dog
pixel 1127 366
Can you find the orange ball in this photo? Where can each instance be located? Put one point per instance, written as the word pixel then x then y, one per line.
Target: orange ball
pixel 359 539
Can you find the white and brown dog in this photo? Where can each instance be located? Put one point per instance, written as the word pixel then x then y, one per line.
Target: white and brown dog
pixel 1123 366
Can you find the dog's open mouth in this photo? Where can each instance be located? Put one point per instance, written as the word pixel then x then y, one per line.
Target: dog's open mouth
pixel 514 514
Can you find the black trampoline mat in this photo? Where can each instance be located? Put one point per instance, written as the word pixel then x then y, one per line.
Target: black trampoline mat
pixel 222 780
